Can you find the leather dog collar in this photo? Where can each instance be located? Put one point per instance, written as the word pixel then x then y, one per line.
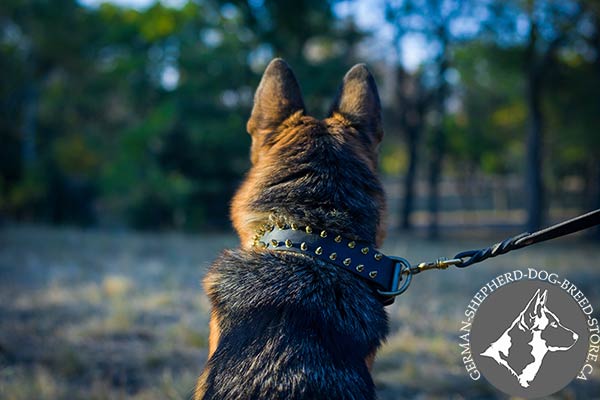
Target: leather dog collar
pixel 391 276
pixel 360 258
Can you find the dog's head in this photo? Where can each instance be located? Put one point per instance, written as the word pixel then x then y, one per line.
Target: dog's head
pixel 308 171
pixel 538 317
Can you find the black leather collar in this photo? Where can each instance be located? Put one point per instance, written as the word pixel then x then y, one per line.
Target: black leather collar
pixel 391 276
pixel 360 258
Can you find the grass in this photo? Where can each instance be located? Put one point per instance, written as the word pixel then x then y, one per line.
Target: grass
pixel 92 315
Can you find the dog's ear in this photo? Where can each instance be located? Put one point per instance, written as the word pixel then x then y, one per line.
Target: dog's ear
pixel 530 311
pixel 540 303
pixel 277 98
pixel 358 102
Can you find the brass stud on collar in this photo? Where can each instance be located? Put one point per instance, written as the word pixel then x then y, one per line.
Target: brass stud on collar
pixel 274 243
pixel 352 244
pixel 280 226
pixel 303 246
pixel 262 245
pixel 319 251
pixel 333 256
pixel 378 256
pixel 364 250
pixel 338 239
pixel 323 234
pixel 288 243
pixel 294 226
pixel 308 229
pixel 373 274
pixel 347 262
pixel 360 268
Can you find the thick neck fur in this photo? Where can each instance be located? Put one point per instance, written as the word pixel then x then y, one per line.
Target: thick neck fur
pixel 317 173
pixel 290 328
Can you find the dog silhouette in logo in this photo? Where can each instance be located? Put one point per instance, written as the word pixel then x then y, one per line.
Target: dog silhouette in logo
pixel 534 333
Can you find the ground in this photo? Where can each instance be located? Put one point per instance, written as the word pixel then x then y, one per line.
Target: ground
pixel 99 315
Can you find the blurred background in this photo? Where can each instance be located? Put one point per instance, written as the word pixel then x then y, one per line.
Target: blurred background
pixel 122 140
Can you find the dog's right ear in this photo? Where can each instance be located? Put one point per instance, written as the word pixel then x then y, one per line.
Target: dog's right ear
pixel 358 103
pixel 540 302
pixel 277 98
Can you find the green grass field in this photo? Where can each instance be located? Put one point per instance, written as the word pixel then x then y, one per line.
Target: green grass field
pixel 91 315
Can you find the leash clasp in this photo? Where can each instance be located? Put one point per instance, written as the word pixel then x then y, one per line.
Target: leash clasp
pixel 401 267
pixel 440 263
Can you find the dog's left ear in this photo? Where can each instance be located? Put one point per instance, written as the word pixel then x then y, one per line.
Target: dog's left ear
pixel 277 98
pixel 358 102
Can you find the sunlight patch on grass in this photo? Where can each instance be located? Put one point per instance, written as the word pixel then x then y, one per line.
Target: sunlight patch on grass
pixel 116 285
pixel 432 346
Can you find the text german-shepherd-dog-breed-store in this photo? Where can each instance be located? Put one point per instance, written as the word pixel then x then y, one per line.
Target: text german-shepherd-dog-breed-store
pixel 296 311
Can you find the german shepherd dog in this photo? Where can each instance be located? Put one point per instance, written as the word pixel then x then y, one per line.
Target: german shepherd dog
pixel 286 325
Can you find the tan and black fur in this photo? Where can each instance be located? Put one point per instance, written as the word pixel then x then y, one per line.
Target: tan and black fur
pixel 286 326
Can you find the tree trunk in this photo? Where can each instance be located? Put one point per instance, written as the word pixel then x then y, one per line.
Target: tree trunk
pixel 595 233
pixel 435 166
pixel 438 147
pixel 595 169
pixel 411 101
pixel 28 146
pixel 534 190
pixel 533 176
pixel 412 133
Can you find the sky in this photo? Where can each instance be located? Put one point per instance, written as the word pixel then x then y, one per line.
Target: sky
pixel 368 15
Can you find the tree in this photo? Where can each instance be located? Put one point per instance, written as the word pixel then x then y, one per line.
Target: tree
pixel 550 27
pixel 433 19
pixel 410 103
pixel 139 115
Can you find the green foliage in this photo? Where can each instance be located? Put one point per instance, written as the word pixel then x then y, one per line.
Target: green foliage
pixel 120 116
pixel 139 115
pixel 487 132
pixel 573 116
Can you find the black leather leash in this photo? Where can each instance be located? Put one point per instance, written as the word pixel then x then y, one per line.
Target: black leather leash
pixel 564 228
pixel 390 275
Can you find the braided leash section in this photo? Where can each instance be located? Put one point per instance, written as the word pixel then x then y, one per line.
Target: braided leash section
pixel 471 257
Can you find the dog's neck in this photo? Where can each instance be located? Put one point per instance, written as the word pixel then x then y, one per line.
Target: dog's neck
pixel 360 258
pixel 331 222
